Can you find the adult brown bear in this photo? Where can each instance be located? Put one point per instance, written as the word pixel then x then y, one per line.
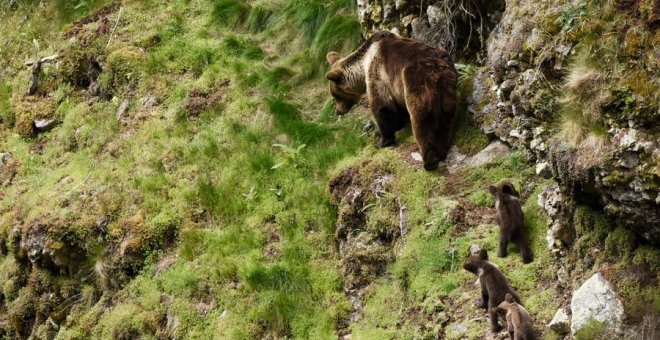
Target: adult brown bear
pixel 405 81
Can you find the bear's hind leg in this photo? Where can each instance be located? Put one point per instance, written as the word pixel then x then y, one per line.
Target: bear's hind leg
pixel 424 103
pixel 504 241
pixel 523 245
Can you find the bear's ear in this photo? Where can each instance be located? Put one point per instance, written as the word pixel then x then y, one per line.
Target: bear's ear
pixel 508 298
pixel 492 189
pixel 334 75
pixel 483 254
pixel 332 57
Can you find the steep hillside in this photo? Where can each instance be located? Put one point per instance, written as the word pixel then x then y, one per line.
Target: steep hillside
pixel 175 169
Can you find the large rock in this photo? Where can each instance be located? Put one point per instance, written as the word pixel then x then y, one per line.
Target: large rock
pixel 595 300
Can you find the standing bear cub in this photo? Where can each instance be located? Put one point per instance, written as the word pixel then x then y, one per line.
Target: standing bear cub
pixel 494 286
pixel 405 81
pixel 509 217
pixel 518 321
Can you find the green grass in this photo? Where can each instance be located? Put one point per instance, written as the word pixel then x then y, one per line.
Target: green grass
pixel 236 198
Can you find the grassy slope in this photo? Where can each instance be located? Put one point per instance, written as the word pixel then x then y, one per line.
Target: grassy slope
pixel 226 211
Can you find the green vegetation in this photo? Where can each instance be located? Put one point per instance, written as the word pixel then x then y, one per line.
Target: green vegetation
pixel 184 190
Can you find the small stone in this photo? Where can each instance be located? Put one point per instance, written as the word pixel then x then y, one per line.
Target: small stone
pixel 560 322
pixel 4 157
pixel 507 86
pixel 416 156
pixel 491 152
pixel 121 110
pixel 43 125
pixel 543 170
pixel 537 144
pixel 149 101
pixel 512 63
pixel 407 20
pixel 400 4
pixel 436 15
pixel 474 249
pixel 515 133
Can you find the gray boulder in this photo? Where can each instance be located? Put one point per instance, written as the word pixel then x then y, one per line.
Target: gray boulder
pixel 596 300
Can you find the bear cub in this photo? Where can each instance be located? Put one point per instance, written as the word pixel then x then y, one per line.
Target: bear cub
pixel 509 217
pixel 406 81
pixel 519 323
pixel 494 285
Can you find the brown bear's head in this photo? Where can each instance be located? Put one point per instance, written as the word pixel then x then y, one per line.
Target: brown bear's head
pixel 504 188
pixel 476 261
pixel 340 89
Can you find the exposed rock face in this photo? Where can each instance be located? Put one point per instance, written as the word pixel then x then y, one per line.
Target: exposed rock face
pixel 517 96
pixel 558 209
pixel 595 300
pixel 452 24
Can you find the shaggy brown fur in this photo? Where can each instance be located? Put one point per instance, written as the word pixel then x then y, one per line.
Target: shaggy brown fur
pixel 494 286
pixel 519 323
pixel 509 217
pixel 405 81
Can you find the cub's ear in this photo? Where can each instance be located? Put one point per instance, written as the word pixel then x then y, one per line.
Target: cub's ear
pixel 492 189
pixel 334 75
pixel 483 254
pixel 508 298
pixel 332 57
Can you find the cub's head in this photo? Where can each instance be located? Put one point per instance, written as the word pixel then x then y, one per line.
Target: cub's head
pixel 340 89
pixel 476 261
pixel 507 304
pixel 504 188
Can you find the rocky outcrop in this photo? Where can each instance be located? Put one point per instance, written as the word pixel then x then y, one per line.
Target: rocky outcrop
pixel 595 300
pixel 557 207
pixel 458 26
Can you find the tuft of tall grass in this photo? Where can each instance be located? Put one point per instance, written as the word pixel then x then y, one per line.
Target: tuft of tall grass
pixel 337 33
pixel 582 116
pixel 230 12
pixel 241 14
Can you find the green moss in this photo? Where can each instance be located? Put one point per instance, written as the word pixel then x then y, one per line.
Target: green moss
pixel 123 66
pixel 648 255
pixel 594 329
pixel 591 227
pixel 620 242
pixel 482 198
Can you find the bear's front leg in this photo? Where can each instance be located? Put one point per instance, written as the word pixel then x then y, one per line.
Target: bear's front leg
pixel 387 122
pixel 494 325
pixel 484 297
